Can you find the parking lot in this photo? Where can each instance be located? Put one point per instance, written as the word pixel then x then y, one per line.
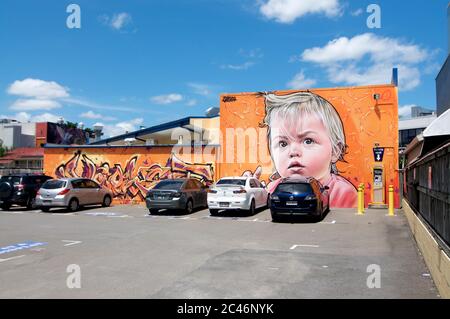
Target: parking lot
pixel 123 252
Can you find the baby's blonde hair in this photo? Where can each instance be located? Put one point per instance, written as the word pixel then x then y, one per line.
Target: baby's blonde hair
pixel 290 107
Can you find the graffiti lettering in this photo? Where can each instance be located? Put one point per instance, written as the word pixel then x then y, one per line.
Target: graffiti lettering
pixel 132 182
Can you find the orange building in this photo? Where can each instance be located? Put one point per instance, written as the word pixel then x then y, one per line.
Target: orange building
pixel 369 116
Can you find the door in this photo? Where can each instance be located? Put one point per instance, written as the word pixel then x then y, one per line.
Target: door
pixel 78 191
pixel 255 191
pixel 95 195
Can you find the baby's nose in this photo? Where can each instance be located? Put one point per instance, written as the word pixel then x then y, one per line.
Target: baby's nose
pixel 295 150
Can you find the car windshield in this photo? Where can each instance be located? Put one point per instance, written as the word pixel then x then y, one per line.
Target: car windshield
pixel 294 188
pixel 239 182
pixel 176 185
pixel 54 184
pixel 14 180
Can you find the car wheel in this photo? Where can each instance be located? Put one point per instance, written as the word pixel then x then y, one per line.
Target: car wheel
pixel 5 206
pixel 106 201
pixel 275 217
pixel 31 203
pixel 189 207
pixel 153 211
pixel 214 212
pixel 73 205
pixel 251 211
pixel 45 209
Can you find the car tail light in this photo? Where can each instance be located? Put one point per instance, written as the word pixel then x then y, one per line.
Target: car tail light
pixel 241 191
pixel 64 192
pixel 20 187
pixel 38 193
pixel 212 191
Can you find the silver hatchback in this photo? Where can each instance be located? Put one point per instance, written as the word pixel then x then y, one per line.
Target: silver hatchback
pixel 71 193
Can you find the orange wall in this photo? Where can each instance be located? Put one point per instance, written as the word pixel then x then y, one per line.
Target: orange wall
pixel 366 122
pixel 129 172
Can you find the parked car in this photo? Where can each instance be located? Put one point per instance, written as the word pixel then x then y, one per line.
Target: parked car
pixel 72 193
pixel 240 193
pixel 306 197
pixel 181 193
pixel 20 189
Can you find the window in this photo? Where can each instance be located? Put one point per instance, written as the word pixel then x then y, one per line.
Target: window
pixel 240 182
pixel 91 184
pixel 253 184
pixel 54 184
pixel 169 184
pixel 79 183
pixel 294 188
pixel 190 184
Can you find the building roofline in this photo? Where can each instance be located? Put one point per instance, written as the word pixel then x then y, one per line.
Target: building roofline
pixel 443 66
pixel 152 129
pixel 56 146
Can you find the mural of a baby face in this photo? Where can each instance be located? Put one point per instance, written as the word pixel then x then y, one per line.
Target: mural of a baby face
pixel 301 147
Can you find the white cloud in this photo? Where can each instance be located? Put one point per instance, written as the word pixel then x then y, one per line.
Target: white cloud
pixel 191 102
pixel 251 54
pixel 44 117
pixel 38 89
pixel 118 21
pixel 201 89
pixel 34 105
pixel 405 111
pixel 238 67
pixel 357 12
pixel 287 11
pixel 92 115
pixel 122 127
pixel 379 49
pixel 167 99
pixel 301 82
pixel 94 105
pixel 369 59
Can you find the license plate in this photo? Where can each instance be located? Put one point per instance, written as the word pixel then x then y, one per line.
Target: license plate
pixel 291 203
pixel 224 204
pixel 46 201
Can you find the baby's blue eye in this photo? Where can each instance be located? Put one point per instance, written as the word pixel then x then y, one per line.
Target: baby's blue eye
pixel 308 141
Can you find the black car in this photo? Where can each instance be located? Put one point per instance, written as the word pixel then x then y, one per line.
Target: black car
pixel 20 189
pixel 180 194
pixel 302 197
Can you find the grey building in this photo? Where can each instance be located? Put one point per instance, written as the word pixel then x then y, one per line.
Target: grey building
pixel 443 78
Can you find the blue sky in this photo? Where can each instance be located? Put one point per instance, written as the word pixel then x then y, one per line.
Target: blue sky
pixel 139 62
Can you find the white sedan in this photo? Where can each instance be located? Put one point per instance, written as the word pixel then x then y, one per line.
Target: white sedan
pixel 242 193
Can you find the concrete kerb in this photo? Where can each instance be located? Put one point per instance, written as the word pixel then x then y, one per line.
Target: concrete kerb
pixel 437 261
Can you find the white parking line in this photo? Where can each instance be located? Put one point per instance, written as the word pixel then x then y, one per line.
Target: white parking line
pixel 16 257
pixel 309 246
pixel 332 222
pixel 71 242
pixel 12 212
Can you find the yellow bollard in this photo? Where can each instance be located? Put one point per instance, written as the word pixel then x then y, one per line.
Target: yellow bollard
pixel 362 197
pixel 391 200
pixel 360 207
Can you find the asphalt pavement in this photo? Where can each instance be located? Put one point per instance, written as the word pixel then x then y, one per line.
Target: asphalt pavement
pixel 123 252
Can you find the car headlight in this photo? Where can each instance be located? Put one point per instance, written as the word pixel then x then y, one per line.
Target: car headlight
pixel 274 197
pixel 311 197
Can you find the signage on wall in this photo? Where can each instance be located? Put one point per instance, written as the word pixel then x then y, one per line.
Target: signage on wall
pixel 378 153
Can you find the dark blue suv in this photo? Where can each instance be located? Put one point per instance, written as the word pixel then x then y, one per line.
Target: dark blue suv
pixel 303 197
